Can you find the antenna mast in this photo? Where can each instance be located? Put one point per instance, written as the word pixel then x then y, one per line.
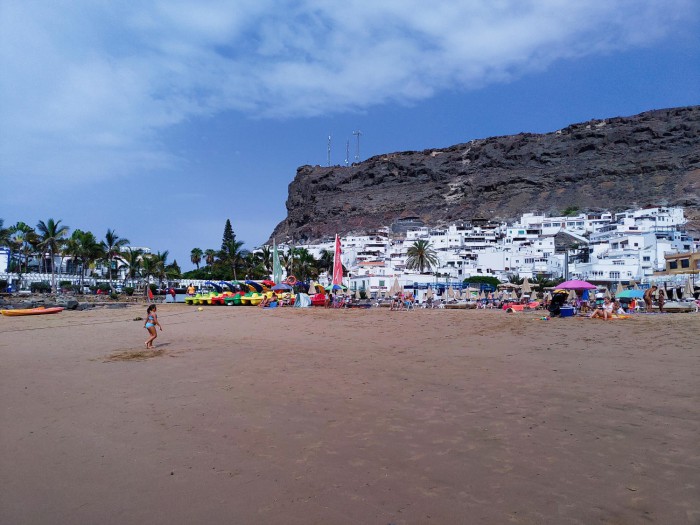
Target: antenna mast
pixel 357 150
pixel 347 152
pixel 329 150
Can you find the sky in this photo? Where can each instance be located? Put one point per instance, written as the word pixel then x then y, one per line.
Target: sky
pixel 162 119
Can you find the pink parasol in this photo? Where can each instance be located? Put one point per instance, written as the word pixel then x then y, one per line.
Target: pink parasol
pixel 576 285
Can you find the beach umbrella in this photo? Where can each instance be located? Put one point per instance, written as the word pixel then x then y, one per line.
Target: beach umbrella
pixel 572 295
pixel 576 285
pixel 281 287
pixel 450 292
pixel 276 266
pixel 619 289
pixel 312 288
pixel 429 294
pixel 607 294
pixel 547 296
pixel 337 264
pixel 357 294
pixel 526 288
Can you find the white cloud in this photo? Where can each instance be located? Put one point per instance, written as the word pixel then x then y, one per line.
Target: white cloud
pixel 86 86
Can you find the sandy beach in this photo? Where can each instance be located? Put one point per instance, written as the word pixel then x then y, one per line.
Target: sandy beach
pixel 341 416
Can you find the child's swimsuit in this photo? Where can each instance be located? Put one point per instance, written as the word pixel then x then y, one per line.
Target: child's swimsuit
pixel 149 321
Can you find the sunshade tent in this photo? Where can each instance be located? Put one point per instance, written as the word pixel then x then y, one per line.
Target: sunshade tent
pixel 255 286
pixel 688 290
pixel 576 285
pixel 607 294
pixel 631 294
pixel 526 288
pixel 619 289
pixel 312 288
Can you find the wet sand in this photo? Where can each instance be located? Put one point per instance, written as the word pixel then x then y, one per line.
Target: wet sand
pixel 331 416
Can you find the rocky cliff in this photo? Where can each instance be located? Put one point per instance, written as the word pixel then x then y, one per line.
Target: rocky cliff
pixel 650 159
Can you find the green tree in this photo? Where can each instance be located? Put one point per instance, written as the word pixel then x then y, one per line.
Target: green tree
pixel 112 246
pixel 483 279
pixel 210 256
pixel 160 260
pixel 421 256
pixel 4 234
pixel 325 261
pixel 227 238
pixel 22 240
pixel 51 237
pixel 83 246
pixel 232 255
pixel 265 256
pixel 133 262
pixel 196 256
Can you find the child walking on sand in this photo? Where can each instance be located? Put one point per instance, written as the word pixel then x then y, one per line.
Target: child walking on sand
pixel 150 325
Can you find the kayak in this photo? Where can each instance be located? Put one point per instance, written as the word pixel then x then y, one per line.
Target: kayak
pixel 32 311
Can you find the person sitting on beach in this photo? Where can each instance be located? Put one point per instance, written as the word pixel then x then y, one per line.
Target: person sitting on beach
pixel 264 302
pixel 648 297
pixel 603 311
pixel 617 308
pixel 272 303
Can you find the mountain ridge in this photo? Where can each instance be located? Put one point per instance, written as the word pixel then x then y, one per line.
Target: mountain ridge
pixel 649 159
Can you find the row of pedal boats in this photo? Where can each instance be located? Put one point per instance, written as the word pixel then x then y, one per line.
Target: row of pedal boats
pixel 255 295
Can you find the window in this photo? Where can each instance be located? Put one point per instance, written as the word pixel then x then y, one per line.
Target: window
pixel 614 275
pixel 646 258
pixel 673 265
pixel 382 284
pixel 685 263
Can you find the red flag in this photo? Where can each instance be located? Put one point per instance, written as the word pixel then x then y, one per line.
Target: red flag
pixel 337 264
pixel 150 294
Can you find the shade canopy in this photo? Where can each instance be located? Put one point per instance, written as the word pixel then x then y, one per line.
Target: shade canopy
pixel 631 294
pixel 281 286
pixel 576 285
pixel 526 288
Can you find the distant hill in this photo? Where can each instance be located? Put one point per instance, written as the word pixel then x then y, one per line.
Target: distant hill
pixel 651 159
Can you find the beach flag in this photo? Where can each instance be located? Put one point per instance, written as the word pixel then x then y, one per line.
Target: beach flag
pixel 337 264
pixel 276 266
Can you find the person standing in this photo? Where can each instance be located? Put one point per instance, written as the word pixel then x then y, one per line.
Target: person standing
pixel 150 325
pixel 648 297
pixel 661 300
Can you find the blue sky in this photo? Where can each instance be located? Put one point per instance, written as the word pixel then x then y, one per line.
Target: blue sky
pixel 161 119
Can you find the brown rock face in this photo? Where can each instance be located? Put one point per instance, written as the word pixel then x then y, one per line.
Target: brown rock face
pixel 651 159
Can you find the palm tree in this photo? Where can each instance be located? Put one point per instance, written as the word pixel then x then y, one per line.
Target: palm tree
pixel 325 261
pixel 51 235
pixel 22 238
pixel 421 256
pixel 232 254
pixel 149 268
pixel 196 256
pixel 265 256
pixel 306 265
pixel 210 256
pixel 83 246
pixel 159 266
pixel 112 246
pixel 133 260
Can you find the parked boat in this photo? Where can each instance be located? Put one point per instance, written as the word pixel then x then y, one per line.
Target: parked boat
pixel 32 311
